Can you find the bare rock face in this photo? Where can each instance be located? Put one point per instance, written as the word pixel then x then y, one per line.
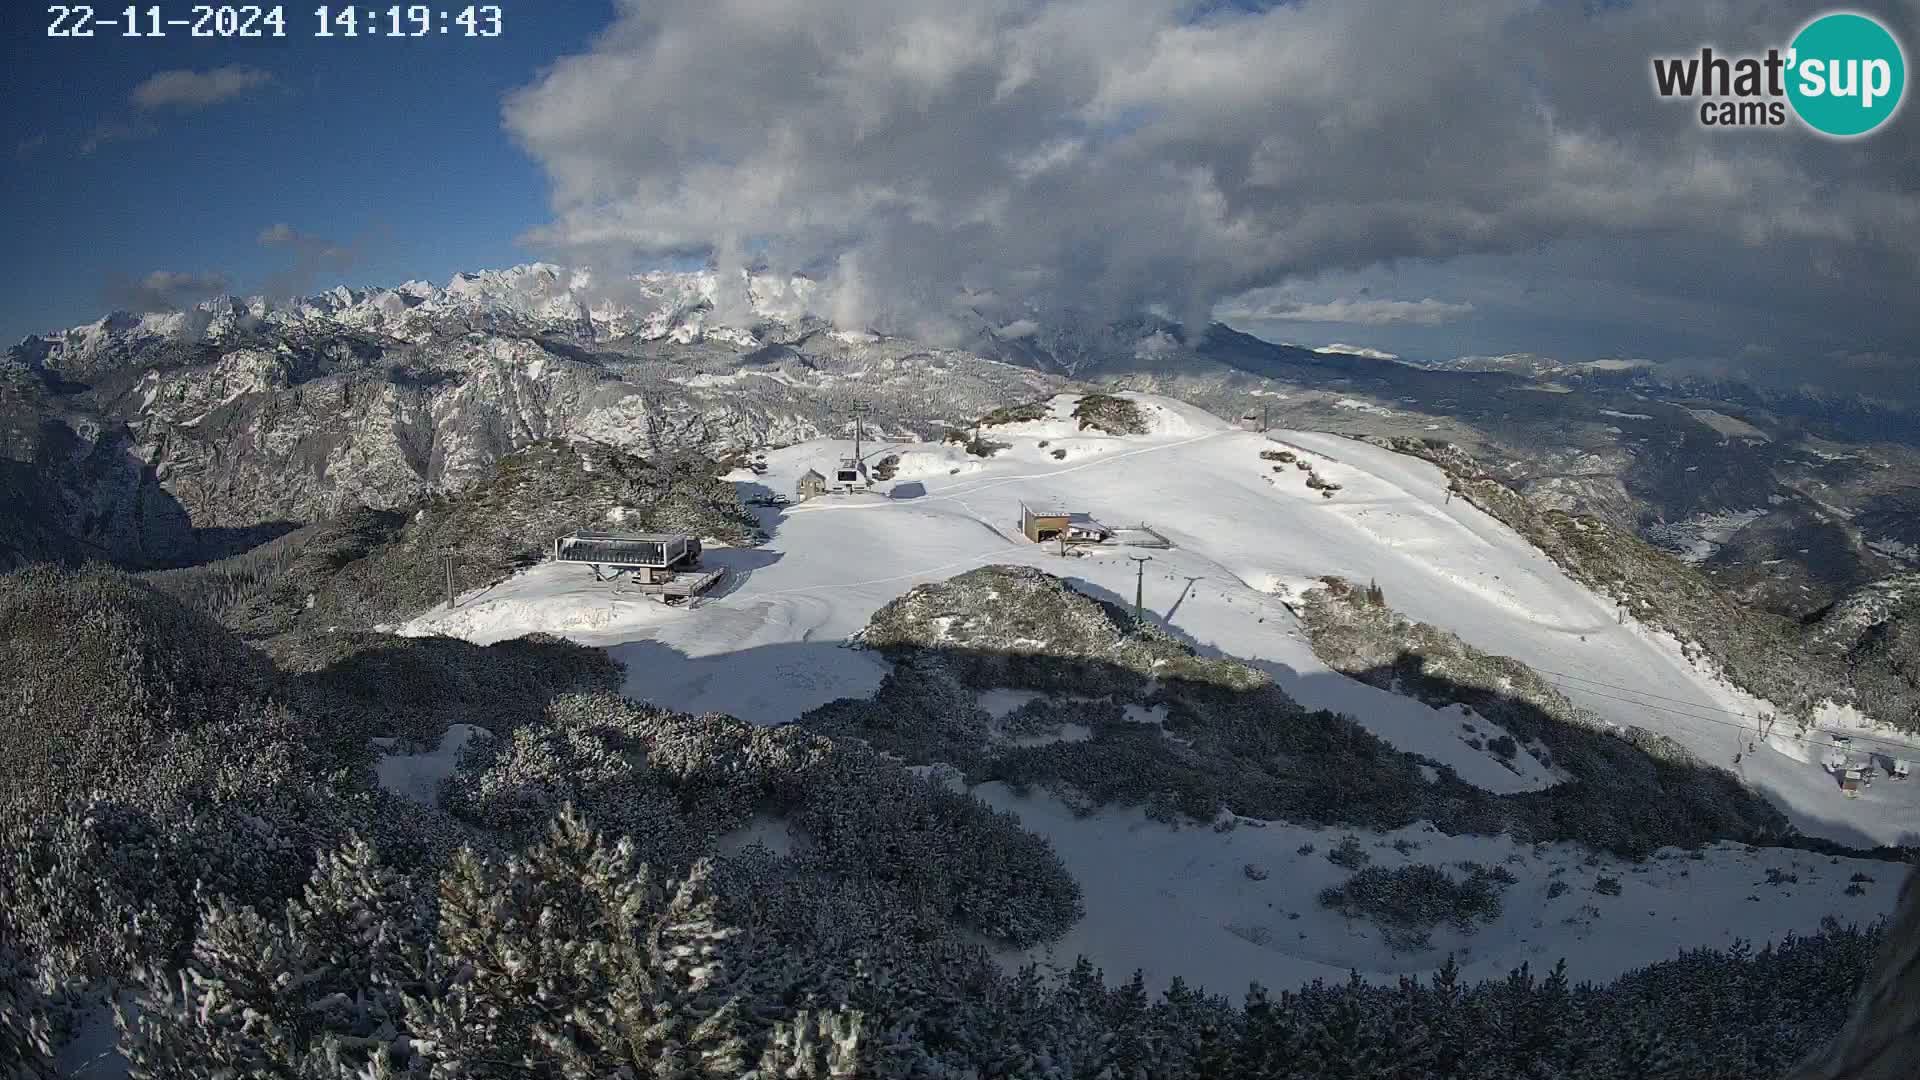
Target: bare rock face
pixel 161 440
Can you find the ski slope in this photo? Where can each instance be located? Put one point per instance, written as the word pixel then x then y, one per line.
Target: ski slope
pixel 770 645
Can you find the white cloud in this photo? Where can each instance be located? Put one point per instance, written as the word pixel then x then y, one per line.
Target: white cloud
pixel 113 131
pixel 1106 155
pixel 312 256
pixel 186 89
pixel 1363 311
pixel 164 290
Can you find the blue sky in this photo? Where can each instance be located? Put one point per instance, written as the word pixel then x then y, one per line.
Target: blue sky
pixel 391 151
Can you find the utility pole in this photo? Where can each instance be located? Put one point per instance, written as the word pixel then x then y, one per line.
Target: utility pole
pixel 1139 577
pixel 1265 416
pixel 448 552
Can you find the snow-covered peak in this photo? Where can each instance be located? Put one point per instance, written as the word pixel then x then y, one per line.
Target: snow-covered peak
pixel 1362 351
pixel 684 307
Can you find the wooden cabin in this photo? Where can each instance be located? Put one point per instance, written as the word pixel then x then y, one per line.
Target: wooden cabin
pixel 1854 779
pixel 1856 775
pixel 1043 525
pixel 1050 524
pixel 811 484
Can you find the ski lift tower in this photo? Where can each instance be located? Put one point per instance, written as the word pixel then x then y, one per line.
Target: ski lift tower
pixel 852 471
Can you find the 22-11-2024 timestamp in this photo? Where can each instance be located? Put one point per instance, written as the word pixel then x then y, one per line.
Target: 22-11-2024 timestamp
pixel 257 21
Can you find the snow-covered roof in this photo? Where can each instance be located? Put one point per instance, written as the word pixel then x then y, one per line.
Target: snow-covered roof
pixel 613 537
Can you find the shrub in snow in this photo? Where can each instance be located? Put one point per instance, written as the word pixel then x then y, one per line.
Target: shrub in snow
pixel 1349 853
pixel 1416 897
pixel 371 685
pixel 1017 414
pixel 1607 886
pixel 1113 415
pixel 676 783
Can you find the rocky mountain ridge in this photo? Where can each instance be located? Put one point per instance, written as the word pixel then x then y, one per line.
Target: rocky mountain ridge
pixel 162 439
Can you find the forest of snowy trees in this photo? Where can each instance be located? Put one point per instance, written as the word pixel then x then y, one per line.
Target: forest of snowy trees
pixel 192 836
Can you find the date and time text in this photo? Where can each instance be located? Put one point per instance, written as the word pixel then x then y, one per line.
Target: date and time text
pixel 258 21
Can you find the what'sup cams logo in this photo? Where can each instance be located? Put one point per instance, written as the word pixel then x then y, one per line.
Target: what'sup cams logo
pixel 1843 75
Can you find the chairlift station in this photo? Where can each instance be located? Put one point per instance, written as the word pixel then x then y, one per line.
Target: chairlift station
pixel 666 565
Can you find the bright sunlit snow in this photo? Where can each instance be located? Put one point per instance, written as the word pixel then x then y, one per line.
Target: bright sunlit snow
pixel 770 644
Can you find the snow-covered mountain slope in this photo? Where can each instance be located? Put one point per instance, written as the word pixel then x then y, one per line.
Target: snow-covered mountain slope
pixel 1246 539
pixel 771 646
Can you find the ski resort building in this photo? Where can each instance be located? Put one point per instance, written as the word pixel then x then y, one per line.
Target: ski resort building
pixel 851 473
pixel 811 484
pixel 1835 758
pixel 1051 524
pixel 660 564
pixel 1854 779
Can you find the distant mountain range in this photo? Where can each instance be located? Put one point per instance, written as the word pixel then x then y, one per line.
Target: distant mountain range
pixel 160 439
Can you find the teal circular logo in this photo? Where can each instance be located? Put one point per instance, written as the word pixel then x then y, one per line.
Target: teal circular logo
pixel 1846 74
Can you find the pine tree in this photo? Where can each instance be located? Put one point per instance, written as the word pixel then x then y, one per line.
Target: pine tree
pixel 1130 1045
pixel 318 992
pixel 1271 1040
pixel 26 1031
pixel 838 1044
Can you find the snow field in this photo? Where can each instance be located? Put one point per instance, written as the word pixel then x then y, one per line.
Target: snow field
pixel 769 645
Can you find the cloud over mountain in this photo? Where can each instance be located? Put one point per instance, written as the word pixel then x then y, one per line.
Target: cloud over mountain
pixel 164 290
pixel 1364 311
pixel 1105 155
